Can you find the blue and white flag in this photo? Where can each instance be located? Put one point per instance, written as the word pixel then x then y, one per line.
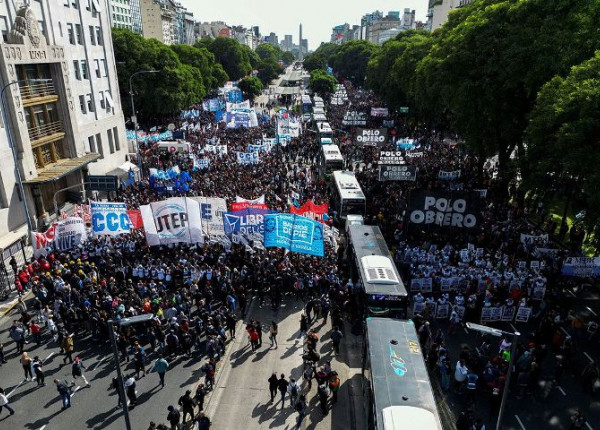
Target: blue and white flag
pixel 247 222
pixel 248 157
pixel 295 233
pixel 110 218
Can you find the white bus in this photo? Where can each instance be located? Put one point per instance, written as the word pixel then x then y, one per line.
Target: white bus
pixel 330 159
pixel 347 196
pixel 324 130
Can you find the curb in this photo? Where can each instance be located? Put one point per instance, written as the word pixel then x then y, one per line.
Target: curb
pixel 14 304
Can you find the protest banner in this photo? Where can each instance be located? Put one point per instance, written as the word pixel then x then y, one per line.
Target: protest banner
pixel 377 136
pixel 449 176
pixel 174 220
pixel 295 233
pixel 110 218
pixel 581 266
pixel 443 209
pixel 397 173
pixel 311 210
pixel 69 233
pixel 248 222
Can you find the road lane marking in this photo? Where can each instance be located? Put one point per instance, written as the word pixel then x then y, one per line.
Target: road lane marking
pixel 97 363
pixel 49 357
pixel 590 309
pixel 75 390
pixel 588 425
pixel 15 389
pixel 588 356
pixel 571 292
pixel 561 390
pixel 520 422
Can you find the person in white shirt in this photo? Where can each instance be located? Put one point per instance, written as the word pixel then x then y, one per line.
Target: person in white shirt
pixel 460 375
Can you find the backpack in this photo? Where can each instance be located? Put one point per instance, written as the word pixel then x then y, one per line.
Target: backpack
pixel 294 390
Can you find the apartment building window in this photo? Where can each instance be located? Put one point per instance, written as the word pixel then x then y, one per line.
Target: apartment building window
pixel 67 3
pixel 87 4
pixel 71 34
pixel 77 70
pixel 99 143
pixel 90 102
pixel 92 144
pixel 111 145
pixel 92 35
pixel 102 103
pixel 82 104
pixel 109 100
pixel 84 69
pixel 99 35
pixel 74 3
pixel 78 34
pixel 97 66
pixel 60 29
pixel 104 68
pixel 4 28
pixel 116 136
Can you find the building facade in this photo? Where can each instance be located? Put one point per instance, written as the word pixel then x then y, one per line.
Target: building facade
pixel 440 9
pixel 126 14
pixel 64 115
pixel 212 29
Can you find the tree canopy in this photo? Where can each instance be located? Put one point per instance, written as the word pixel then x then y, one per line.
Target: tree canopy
pixel 250 86
pixel 232 55
pixel 351 60
pixel 322 83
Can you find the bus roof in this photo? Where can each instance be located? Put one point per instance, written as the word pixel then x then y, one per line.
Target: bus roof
pixel 326 141
pixel 347 185
pixel 400 379
pixel 377 269
pixel 319 117
pixel 332 153
pixel 324 126
pixel 306 99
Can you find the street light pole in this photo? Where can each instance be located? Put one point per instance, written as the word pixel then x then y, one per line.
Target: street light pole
pixel 134 116
pixel 11 143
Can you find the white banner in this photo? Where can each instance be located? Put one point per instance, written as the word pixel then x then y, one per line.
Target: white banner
pixel 237 106
pixel 216 149
pixel 248 157
pixel 70 233
pixel 174 220
pixel 110 218
pixel 258 201
pixel 211 214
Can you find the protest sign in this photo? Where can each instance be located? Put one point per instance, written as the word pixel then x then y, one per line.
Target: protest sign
pixel 294 232
pixel 174 220
pixel 110 218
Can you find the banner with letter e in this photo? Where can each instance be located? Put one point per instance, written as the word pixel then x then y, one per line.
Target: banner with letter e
pixel 295 233
pixel 174 220
pixel 69 233
pixel 110 218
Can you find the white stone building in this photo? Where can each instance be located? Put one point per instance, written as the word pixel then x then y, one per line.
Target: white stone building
pixel 64 109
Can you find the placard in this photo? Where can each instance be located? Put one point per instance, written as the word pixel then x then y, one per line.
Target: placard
pixel 445 285
pixel 397 173
pixel 508 313
pixel 486 314
pixel 418 308
pixel 460 310
pixel 426 285
pixel 443 311
pixel 495 313
pixel 523 314
pixel 539 291
pixel 415 285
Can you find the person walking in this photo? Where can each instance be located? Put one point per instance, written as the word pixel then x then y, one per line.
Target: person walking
pixel 173 417
pixel 336 338
pixel 303 325
pixel 259 332
pixel 273 385
pixel 68 347
pixel 39 372
pixel 187 405
pixel 273 333
pixel 161 365
pixel 300 407
pixel 254 337
pixel 309 373
pixel 293 390
pixel 139 358
pixel 282 386
pixel 64 390
pixel 17 333
pixel 4 403
pixel 199 396
pixel 334 386
pixel 323 394
pixel 209 373
pixel 130 391
pixel 77 371
pixel 26 363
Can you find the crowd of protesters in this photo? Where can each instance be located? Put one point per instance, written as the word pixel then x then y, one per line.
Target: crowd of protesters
pixel 197 293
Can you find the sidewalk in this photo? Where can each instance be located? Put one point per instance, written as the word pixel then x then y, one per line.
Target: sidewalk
pixel 243 388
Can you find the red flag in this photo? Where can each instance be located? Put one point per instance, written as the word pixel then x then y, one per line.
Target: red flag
pixel 135 216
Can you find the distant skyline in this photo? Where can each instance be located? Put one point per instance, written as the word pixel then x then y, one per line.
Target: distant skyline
pixel 318 17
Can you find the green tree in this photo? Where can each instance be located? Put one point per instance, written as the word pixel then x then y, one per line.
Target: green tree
pixel 268 70
pixel 322 83
pixel 288 58
pixel 352 58
pixel 563 137
pixel 267 51
pixel 490 59
pixel 175 87
pixel 315 61
pixel 201 58
pixel 230 54
pixel 250 86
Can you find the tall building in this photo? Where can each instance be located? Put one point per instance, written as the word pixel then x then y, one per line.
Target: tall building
pixel 168 22
pixel 343 33
pixel 272 39
pixel 212 29
pixel 300 53
pixel 287 44
pixel 64 115
pixel 126 14
pixel 439 10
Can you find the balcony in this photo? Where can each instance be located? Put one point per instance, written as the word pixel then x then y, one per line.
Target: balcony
pixel 34 93
pixel 46 133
